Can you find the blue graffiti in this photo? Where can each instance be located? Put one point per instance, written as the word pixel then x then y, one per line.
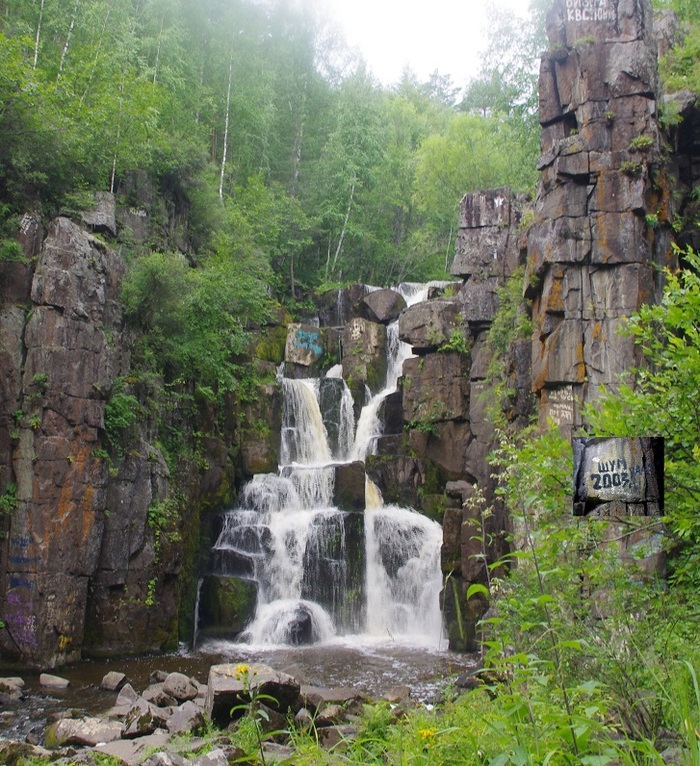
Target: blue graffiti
pixel 309 340
pixel 20 582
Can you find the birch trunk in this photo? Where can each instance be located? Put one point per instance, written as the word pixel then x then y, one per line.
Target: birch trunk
pixel 97 55
pixel 66 45
pixel 38 33
pixel 160 38
pixel 226 125
pixel 344 230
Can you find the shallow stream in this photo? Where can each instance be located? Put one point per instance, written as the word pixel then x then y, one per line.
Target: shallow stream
pixel 372 667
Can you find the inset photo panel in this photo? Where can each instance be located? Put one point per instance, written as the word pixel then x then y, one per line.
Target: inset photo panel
pixel 618 476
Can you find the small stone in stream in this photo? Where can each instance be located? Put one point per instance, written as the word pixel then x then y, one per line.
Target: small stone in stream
pixel 113 681
pixel 53 682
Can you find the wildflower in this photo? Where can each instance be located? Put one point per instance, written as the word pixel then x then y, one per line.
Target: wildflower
pixel 241 671
pixel 427 734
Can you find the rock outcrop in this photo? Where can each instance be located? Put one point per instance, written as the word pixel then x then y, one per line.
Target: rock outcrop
pixel 94 534
pixel 61 382
pixel 602 215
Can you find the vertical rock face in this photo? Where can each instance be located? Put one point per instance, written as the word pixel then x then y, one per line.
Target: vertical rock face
pixel 489 249
pixel 364 356
pixel 602 210
pixel 56 530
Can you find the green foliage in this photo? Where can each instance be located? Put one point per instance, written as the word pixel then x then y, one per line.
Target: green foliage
pixel 8 500
pixel 511 323
pixel 456 342
pixel 641 143
pixel 121 412
pixel 580 645
pixel 192 320
pixel 680 67
pixel 631 168
pixel 11 252
pixel 250 730
pixel 323 170
pixel 162 515
pixel 662 398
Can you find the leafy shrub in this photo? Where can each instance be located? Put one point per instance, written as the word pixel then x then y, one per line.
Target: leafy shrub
pixel 121 412
pixel 663 398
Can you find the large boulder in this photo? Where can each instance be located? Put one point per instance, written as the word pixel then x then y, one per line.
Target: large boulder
pixel 349 487
pixel 304 345
pixel 364 357
pixel 144 718
pixel 83 731
pixel 187 718
pixel 430 324
pixel 181 687
pixel 435 388
pixel 230 685
pixel 383 306
pixel 102 216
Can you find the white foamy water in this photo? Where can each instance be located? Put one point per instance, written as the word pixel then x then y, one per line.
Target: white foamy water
pixel 321 572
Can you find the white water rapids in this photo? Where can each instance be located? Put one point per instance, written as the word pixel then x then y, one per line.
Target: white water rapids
pixel 322 572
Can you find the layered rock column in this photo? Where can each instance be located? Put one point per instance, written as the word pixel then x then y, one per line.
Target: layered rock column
pixel 55 535
pixel 489 250
pixel 602 210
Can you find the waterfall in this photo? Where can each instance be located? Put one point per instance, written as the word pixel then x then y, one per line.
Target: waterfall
pixel 403 574
pixel 321 571
pixel 195 627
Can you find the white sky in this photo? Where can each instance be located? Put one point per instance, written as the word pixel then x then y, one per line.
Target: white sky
pixel 446 35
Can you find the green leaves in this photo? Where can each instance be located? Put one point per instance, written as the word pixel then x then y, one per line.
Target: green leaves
pixel 193 320
pixel 662 398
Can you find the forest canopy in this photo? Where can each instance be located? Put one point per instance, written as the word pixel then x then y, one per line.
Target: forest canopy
pixel 255 123
pixel 267 159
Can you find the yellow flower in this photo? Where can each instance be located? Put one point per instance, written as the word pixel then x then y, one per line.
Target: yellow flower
pixel 427 733
pixel 241 671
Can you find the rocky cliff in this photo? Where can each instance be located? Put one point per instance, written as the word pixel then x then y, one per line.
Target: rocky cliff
pixel 603 211
pixel 95 534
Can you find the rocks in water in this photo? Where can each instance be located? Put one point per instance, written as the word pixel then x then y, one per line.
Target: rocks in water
pixel 144 718
pixel 300 629
pixel 127 695
pixel 364 356
pixel 53 682
pixel 156 695
pixel 11 689
pixel 136 731
pixel 113 681
pixel 187 718
pixel 349 487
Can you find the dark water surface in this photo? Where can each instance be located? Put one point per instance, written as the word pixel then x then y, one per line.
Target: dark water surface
pixel 369 666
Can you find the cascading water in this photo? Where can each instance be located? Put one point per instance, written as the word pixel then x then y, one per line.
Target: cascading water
pixel 320 571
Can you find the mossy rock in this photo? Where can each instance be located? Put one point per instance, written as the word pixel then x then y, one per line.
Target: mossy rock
pixel 270 344
pixel 227 605
pixel 433 506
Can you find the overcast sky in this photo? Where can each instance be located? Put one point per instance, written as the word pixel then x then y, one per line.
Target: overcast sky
pixel 446 35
